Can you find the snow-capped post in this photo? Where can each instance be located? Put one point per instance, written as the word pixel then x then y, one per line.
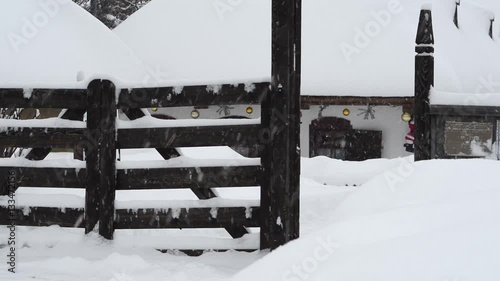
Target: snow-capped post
pixel 281 124
pixel 101 158
pixel 424 80
pixel 455 17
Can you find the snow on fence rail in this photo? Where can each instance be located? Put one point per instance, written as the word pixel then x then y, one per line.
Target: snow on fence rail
pixel 275 136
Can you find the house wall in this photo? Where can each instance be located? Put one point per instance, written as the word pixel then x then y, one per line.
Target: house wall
pixel 387 119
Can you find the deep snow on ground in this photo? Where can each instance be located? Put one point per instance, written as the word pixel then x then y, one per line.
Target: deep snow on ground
pixel 428 221
pixel 432 221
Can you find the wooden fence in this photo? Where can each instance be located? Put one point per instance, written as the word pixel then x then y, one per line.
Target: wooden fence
pixel 276 138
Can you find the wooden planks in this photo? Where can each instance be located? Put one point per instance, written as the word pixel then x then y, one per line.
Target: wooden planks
pixel 42 216
pixel 44 98
pixel 42 137
pixel 187 218
pixel 196 178
pixel 204 95
pixel 244 135
pixel 47 177
pixel 307 101
pixel 140 179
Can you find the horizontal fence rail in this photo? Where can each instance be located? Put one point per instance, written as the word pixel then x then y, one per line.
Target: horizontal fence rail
pixel 45 177
pixel 43 98
pixel 42 137
pixel 245 135
pixel 187 218
pixel 194 177
pixel 226 94
pixel 43 216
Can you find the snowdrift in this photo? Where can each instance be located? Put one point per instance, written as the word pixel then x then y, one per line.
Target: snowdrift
pixel 435 220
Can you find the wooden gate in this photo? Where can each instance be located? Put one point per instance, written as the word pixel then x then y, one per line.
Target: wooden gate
pixel 275 136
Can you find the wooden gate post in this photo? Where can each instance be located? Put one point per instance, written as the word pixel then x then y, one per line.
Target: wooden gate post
pixel 424 80
pixel 92 156
pixel 101 157
pixel 107 160
pixel 281 126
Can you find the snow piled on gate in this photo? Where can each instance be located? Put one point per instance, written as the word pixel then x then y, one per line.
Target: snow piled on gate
pixel 57 44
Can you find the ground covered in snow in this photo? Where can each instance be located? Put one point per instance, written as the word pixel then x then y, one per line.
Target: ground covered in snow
pixel 374 220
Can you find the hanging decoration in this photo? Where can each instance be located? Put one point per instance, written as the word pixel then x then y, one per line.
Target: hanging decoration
pixel 346 112
pixel 368 112
pixel 225 109
pixel 195 114
pixel 321 108
pixel 406 117
pixel 410 138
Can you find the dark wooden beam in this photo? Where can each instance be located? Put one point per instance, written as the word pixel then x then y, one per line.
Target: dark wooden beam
pixel 42 137
pixel 187 218
pixel 195 178
pixel 93 181
pixel 44 98
pixel 43 216
pixel 189 136
pixel 47 177
pixel 450 110
pixel 197 252
pixel 307 101
pixel 281 119
pixel 424 80
pixel 107 159
pixel 194 95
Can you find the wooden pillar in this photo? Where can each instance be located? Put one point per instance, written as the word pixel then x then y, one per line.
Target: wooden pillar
pixel 107 159
pixel 101 157
pixel 424 80
pixel 281 130
pixel 92 156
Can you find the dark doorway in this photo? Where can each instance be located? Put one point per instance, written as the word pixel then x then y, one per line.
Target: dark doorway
pixel 364 145
pixel 335 138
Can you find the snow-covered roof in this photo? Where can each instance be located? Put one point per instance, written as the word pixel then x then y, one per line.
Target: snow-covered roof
pixel 56 43
pixel 199 41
